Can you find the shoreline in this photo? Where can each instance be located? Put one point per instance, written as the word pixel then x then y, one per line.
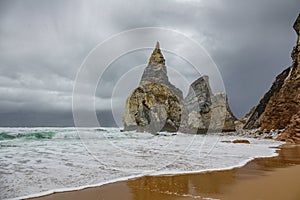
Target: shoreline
pixel 39 182
pixel 200 185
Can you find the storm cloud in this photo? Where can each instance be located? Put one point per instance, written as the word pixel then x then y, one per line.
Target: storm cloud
pixel 43 44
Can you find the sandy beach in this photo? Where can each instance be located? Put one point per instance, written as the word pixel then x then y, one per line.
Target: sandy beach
pixel 149 100
pixel 262 178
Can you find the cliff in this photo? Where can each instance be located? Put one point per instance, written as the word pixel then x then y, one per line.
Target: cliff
pixel 291 134
pixel 279 107
pixel 255 116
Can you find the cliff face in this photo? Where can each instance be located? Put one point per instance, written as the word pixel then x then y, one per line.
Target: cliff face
pixel 255 116
pixel 152 108
pixel 291 134
pixel 279 107
pixel 205 111
pixel 199 96
pixel 156 72
pixel 156 104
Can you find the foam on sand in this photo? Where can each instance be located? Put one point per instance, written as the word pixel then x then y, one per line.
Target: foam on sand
pixel 71 160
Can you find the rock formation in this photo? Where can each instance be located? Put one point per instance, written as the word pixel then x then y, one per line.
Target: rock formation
pixel 156 72
pixel 241 142
pixel 256 114
pixel 291 134
pixel 222 113
pixel 156 104
pixel 205 111
pixel 279 107
pixel 197 107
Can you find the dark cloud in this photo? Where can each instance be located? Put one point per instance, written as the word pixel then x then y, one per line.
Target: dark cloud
pixel 43 43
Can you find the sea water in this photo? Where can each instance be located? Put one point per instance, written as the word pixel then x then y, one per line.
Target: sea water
pixel 35 161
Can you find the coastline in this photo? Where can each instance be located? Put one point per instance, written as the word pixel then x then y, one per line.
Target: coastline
pixel 259 177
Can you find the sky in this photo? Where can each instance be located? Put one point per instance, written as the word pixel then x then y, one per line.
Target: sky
pixel 44 43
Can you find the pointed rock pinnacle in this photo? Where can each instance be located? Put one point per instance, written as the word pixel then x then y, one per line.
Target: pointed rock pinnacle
pixel 296 26
pixel 157 57
pixel 157 45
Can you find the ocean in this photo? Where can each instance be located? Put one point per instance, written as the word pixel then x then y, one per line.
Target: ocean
pixel 37 161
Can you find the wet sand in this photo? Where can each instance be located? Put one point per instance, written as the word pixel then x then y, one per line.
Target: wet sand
pixel 263 178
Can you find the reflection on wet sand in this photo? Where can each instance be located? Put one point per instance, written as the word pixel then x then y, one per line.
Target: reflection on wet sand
pixel 260 178
pixel 209 184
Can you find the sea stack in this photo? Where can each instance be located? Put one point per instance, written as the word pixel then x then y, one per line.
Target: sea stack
pixel 204 111
pixel 156 104
pixel 280 107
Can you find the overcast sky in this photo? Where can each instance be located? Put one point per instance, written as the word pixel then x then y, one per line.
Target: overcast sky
pixel 44 42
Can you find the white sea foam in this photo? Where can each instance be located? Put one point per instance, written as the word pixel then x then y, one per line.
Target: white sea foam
pixel 40 161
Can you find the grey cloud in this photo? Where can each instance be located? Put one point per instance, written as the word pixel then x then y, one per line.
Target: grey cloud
pixel 43 43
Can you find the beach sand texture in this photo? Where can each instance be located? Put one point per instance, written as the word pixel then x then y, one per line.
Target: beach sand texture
pixel 263 178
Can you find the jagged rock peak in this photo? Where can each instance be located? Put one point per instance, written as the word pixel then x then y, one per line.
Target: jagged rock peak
pixel 205 111
pixel 201 85
pixel 156 104
pixel 199 95
pixel 157 56
pixel 156 72
pixel 157 45
pixel 297 25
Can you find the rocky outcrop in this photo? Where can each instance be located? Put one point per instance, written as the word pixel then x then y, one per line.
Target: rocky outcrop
pixel 199 96
pixel 204 111
pixel 241 142
pixel 256 114
pixel 156 72
pixel 156 104
pixel 152 108
pixel 282 102
pixel 222 114
pixel 197 103
pixel 291 134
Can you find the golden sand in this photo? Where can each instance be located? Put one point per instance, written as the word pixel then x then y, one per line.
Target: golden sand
pixel 263 178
